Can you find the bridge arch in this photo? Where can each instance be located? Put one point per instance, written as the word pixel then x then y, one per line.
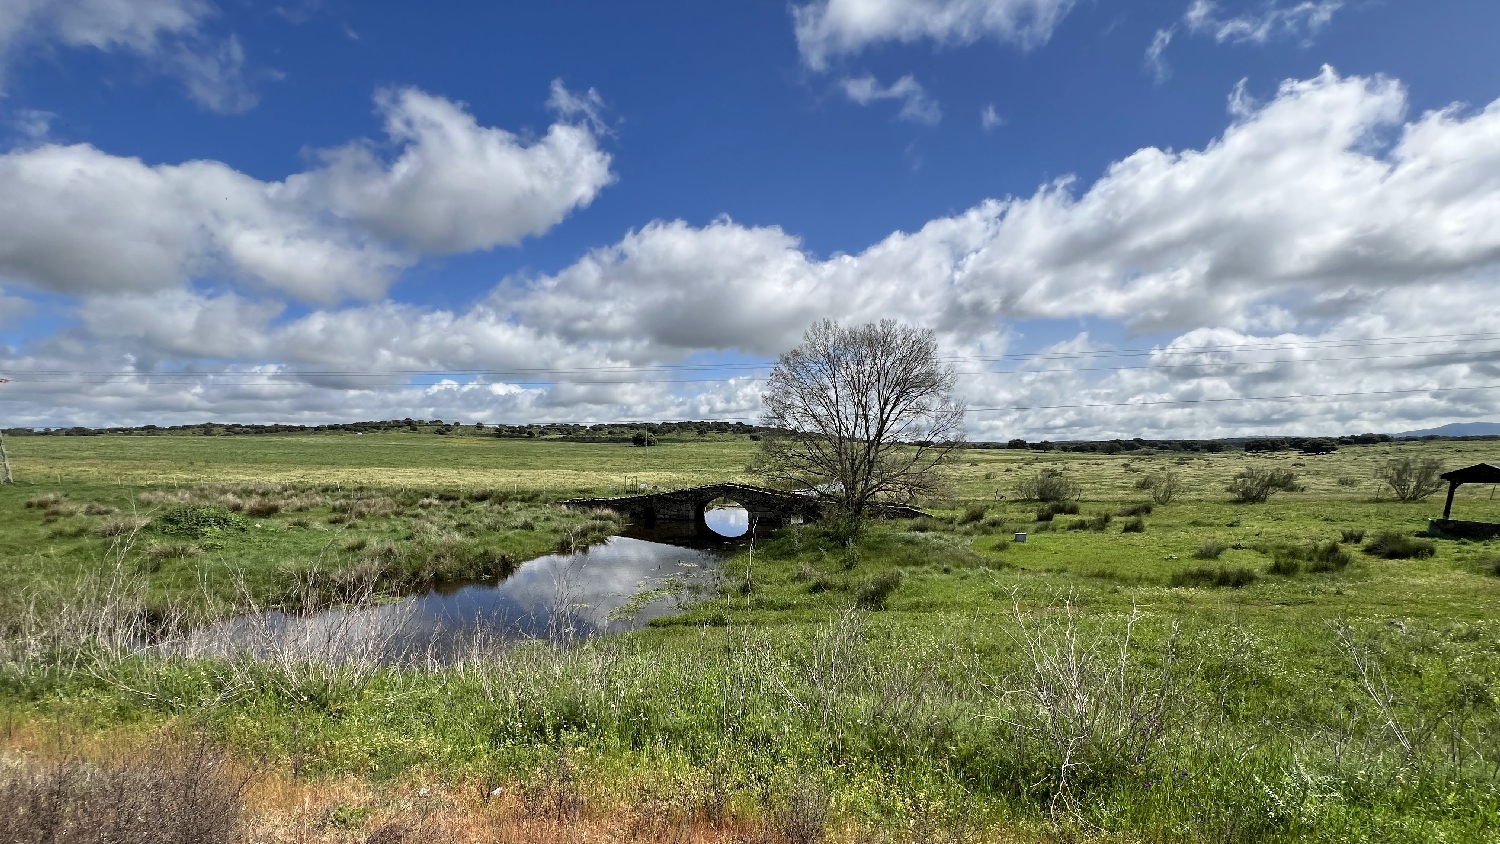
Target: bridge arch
pixel 727 517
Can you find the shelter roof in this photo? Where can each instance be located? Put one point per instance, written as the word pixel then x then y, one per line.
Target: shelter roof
pixel 1479 473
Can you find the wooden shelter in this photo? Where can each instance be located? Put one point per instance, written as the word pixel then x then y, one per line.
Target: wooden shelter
pixel 1479 473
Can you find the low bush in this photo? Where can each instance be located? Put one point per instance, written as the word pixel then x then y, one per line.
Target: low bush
pixel 1398 546
pixel 1328 556
pixel 1254 485
pixel 1047 485
pixel 165 796
pixel 42 502
pixel 1286 565
pixel 1348 481
pixel 1205 577
pixel 120 526
pixel 1493 567
pixel 1135 525
pixel 1411 478
pixel 973 513
pixel 172 550
pixel 1094 523
pixel 198 522
pixel 1165 486
pixel 921 524
pixel 1210 550
pixel 264 508
pixel 1353 535
pixel 816 580
pixel 1056 508
pixel 94 508
pixel 1143 509
pixel 873 592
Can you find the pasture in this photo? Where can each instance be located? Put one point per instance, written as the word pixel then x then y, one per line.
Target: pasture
pixel 1195 670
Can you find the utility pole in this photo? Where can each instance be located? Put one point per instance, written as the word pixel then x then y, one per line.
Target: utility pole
pixel 4 460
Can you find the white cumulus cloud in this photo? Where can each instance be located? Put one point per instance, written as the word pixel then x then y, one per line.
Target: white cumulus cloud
pixel 827 29
pixel 167 34
pixel 1321 219
pixel 457 186
pixel 76 220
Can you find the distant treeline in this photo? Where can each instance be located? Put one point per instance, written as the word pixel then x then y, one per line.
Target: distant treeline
pixel 614 432
pixel 648 433
pixel 1305 445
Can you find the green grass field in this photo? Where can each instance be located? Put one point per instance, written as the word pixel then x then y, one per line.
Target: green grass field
pixel 933 681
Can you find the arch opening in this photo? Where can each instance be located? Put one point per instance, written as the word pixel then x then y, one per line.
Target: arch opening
pixel 726 517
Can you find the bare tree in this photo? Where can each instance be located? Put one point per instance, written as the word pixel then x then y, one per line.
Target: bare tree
pixel 861 415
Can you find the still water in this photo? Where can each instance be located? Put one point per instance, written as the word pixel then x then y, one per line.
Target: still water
pixel 613 587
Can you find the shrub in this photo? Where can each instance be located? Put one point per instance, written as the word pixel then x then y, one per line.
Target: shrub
pixel 120 527
pixel 42 502
pixel 1348 481
pixel 263 508
pixel 920 524
pixel 198 522
pixel 1354 535
pixel 1210 550
pixel 816 580
pixel 1286 565
pixel 973 513
pixel 1204 577
pixel 1410 478
pixel 1047 485
pixel 1056 508
pixel 1135 525
pixel 1135 510
pixel 162 796
pixel 1254 485
pixel 1165 487
pixel 172 550
pixel 1329 556
pixel 804 817
pixel 1398 546
pixel 1493 567
pixel 94 508
pixel 1094 523
pixel 873 592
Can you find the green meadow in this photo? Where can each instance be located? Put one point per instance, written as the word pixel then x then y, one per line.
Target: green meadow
pixel 1307 668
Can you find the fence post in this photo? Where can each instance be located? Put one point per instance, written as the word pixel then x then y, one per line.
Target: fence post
pixel 5 462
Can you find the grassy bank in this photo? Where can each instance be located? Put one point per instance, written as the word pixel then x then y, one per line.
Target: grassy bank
pixel 1216 671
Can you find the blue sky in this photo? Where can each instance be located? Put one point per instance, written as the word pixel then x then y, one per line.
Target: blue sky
pixel 1131 219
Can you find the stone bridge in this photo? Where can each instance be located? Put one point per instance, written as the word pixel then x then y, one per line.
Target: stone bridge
pixel 767 508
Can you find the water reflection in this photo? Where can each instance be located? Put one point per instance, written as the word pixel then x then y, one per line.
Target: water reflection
pixel 727 521
pixel 613 587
